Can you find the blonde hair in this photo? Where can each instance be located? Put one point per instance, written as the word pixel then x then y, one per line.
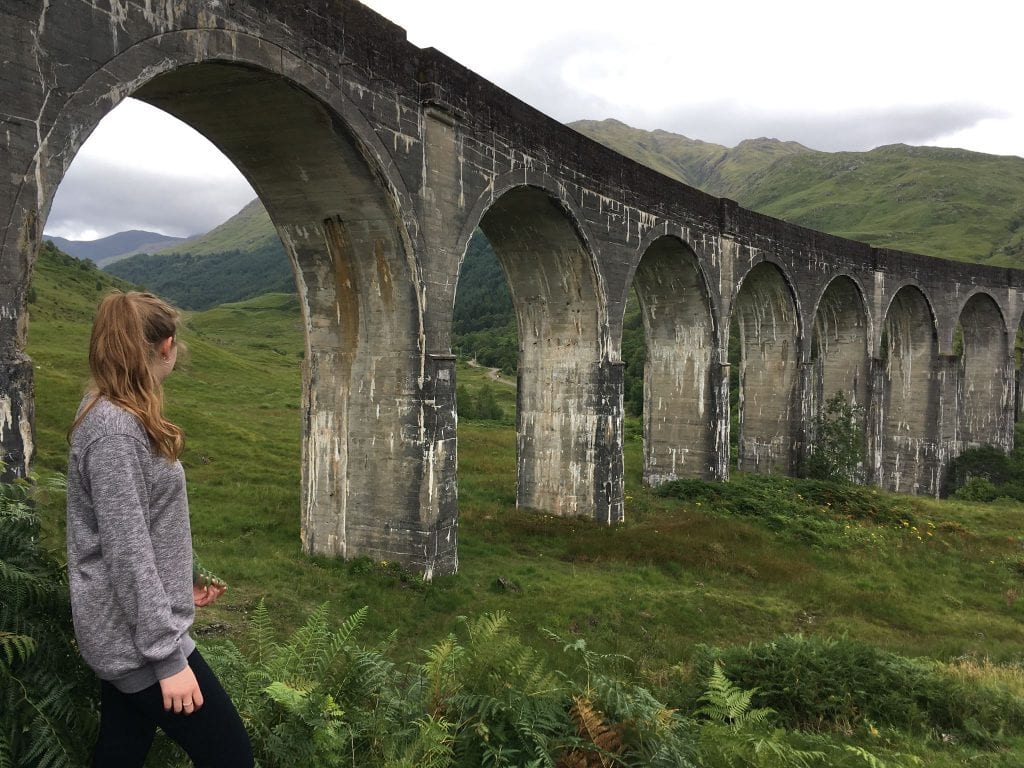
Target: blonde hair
pixel 125 332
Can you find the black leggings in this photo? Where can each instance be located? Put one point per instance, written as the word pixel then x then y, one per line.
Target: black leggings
pixel 212 736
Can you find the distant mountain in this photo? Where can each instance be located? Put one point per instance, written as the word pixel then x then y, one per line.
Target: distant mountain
pixel 240 259
pixel 949 203
pixel 718 170
pixel 248 230
pixel 107 250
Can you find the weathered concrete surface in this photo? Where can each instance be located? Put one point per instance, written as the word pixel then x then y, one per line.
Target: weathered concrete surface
pixel 767 322
pixel 910 396
pixel 839 362
pixel 985 378
pixel 680 415
pixel 378 161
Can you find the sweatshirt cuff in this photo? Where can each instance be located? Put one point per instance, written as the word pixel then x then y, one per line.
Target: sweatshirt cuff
pixel 172 665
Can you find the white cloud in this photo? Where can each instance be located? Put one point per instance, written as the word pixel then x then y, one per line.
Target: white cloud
pixel 143 169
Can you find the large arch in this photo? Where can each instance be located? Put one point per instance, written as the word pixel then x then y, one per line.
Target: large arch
pixel 679 410
pixel 984 376
pixel 909 414
pixel 559 307
pixel 766 317
pixel 838 352
pixel 343 217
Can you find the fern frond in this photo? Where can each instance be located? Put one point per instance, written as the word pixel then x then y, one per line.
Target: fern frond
pixel 15 647
pixel 21 586
pixel 339 641
pixel 774 751
pixel 299 658
pixel 47 749
pixel 593 728
pixel 261 635
pixel 444 660
pixel 727 704
pixel 292 699
pixel 874 761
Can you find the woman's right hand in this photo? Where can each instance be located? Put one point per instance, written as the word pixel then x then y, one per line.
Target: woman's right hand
pixel 181 692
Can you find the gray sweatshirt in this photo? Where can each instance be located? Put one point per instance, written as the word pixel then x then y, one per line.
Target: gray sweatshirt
pixel 129 552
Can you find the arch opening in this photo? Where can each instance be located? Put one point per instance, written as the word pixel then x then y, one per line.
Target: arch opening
pixel 984 377
pixel 678 396
pixel 340 223
pixel 558 313
pixel 766 323
pixel 908 460
pixel 341 232
pixel 839 363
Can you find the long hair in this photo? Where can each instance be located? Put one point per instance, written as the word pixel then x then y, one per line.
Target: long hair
pixel 125 332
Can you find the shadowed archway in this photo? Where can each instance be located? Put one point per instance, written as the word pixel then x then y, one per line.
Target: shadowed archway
pixel 765 318
pixel 909 403
pixel 679 413
pixel 984 376
pixel 559 311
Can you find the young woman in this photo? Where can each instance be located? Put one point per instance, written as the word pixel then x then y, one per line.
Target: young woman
pixel 130 550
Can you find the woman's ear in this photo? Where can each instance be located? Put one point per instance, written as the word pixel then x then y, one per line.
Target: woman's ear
pixel 163 348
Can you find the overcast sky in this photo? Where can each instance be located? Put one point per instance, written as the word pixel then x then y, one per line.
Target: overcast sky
pixel 833 76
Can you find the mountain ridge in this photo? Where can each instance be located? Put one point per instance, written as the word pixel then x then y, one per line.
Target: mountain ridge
pixel 944 202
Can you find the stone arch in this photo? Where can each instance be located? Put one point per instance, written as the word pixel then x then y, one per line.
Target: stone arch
pixel 341 212
pixel 566 433
pixel 680 410
pixel 766 316
pixel 907 460
pixel 984 376
pixel 838 349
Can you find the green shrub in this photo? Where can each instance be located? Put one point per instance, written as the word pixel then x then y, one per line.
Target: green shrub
pixel 481 406
pixel 812 511
pixel 985 463
pixel 837 451
pixel 816 683
pixel 977 489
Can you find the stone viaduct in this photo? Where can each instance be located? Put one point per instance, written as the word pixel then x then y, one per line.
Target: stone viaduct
pixel 378 160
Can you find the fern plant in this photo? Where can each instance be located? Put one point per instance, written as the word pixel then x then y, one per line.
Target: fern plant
pixel 736 734
pixel 727 704
pixel 48 703
pixel 320 699
pixel 505 707
pixel 622 724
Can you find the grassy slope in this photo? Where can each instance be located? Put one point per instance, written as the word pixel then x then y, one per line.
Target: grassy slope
pixel 675 574
pixel 942 202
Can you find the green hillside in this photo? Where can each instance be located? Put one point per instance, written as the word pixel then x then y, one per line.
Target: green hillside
pixel 941 202
pixel 949 203
pixel 194 281
pixel 718 170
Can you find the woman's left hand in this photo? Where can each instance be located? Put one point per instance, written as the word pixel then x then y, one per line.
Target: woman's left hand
pixel 206 595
